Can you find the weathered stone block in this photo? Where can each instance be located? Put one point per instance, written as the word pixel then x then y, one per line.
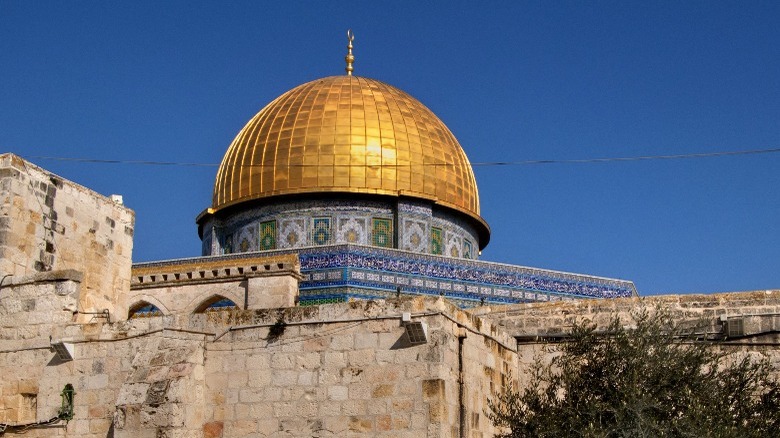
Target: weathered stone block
pixel 338 393
pixel 213 429
pixel 361 424
pixel 381 391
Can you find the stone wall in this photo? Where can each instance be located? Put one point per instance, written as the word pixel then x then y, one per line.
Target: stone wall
pixel 344 369
pixel 32 310
pixel 754 319
pixel 50 224
pixel 182 286
pixel 333 370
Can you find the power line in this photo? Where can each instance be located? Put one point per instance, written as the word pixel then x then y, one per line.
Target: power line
pixel 639 158
pixel 476 164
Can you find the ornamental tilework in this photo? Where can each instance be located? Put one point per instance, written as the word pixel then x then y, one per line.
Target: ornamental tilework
pixel 365 271
pixel 327 222
pixel 267 235
pixel 413 238
pixel 206 245
pixel 467 249
pixel 226 243
pixel 478 277
pixel 415 208
pixel 321 233
pixel 453 244
pixel 382 232
pixel 246 239
pixel 292 233
pixel 436 241
pixel 352 230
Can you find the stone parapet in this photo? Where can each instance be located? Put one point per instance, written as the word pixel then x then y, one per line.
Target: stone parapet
pixel 48 223
pixel 182 288
pixel 207 269
pixel 738 324
pixel 712 311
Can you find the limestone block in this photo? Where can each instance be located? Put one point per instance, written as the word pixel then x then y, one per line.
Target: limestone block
pixel 132 394
pixel 361 424
pixel 360 357
pixel 337 359
pixel 366 341
pixel 257 362
pixel 259 379
pixel 238 379
pixel 267 425
pixel 338 393
pixel 329 409
pixel 377 407
pixel 359 391
pixel 240 428
pixel 353 407
pixel 337 425
pixel 282 361
pixel 308 361
pixel 242 411
pixel 213 429
pixel 99 425
pixel 342 342
pixel 285 378
pixel 250 396
pixel 307 378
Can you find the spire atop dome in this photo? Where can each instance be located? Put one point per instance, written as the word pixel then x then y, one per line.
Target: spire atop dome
pixel 349 58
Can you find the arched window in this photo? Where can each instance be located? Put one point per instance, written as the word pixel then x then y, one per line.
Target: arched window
pixel 216 303
pixel 142 309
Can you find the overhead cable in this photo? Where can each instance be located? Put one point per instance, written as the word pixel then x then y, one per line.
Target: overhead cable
pixel 474 164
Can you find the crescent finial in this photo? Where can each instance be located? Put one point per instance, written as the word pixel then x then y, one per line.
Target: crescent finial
pixel 350 58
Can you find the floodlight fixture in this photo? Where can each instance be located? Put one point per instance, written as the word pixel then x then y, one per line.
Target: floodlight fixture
pixel 65 350
pixel 417 332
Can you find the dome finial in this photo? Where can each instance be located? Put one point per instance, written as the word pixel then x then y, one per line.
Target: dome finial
pixel 349 58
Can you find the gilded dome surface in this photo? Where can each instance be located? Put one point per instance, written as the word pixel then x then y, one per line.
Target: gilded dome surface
pixel 347 134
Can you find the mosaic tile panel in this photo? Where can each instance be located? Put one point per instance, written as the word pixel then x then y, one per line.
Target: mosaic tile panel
pixel 267 235
pixel 415 208
pixel 226 244
pixel 382 232
pixel 453 244
pixel 413 236
pixel 352 230
pixel 436 241
pixel 218 305
pixel 466 282
pixel 330 217
pixel 468 249
pixel 475 274
pixel 246 239
pixel 292 233
pixel 321 233
pixel 206 248
pixel 145 310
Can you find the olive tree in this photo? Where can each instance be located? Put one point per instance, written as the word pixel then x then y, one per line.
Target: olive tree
pixel 647 380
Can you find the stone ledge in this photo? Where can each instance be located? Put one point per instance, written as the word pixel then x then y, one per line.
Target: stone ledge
pixel 45 277
pixel 214 271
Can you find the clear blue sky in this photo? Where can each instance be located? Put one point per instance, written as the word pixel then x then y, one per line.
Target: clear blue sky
pixel 175 81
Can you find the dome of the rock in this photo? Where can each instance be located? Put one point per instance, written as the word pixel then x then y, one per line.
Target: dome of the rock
pixel 336 140
pixel 347 134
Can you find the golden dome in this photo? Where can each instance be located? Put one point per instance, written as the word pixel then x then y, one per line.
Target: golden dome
pixel 347 134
